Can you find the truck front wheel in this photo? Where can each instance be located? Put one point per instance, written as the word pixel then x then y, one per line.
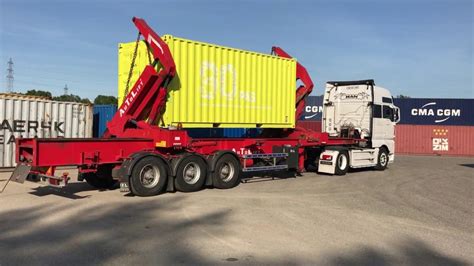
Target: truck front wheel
pixel 226 173
pixel 382 160
pixel 149 177
pixel 342 163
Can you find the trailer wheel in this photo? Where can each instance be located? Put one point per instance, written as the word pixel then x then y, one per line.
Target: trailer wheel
pixel 148 177
pixel 102 179
pixel 382 160
pixel 342 163
pixel 226 173
pixel 191 174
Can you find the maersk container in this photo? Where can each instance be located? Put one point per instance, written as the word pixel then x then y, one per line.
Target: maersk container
pixel 102 115
pixel 30 116
pixel 219 86
pixel 434 140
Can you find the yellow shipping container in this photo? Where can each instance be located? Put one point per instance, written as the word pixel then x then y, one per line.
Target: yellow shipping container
pixel 218 86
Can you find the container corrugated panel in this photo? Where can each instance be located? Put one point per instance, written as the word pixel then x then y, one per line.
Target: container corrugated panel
pixel 313 108
pixel 102 115
pixel 434 140
pixel 35 117
pixel 311 125
pixel 220 86
pixel 432 111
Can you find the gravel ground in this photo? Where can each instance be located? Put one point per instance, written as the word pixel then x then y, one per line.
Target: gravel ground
pixel 417 212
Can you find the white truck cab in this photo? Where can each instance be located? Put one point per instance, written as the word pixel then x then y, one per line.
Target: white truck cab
pixel 358 109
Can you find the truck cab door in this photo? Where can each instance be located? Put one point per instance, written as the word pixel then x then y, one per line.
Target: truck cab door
pixel 383 129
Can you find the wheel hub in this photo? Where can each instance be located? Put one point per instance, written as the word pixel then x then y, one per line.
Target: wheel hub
pixel 191 173
pixel 383 159
pixel 149 176
pixel 226 172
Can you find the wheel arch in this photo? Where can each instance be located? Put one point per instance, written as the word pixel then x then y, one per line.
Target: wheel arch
pixel 384 147
pixel 212 161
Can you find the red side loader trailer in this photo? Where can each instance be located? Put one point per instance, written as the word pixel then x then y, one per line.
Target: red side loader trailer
pixel 147 159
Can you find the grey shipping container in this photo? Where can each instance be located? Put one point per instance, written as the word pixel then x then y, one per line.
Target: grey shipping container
pixel 30 116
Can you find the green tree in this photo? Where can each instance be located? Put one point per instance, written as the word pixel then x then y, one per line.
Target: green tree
pixel 40 93
pixel 104 99
pixel 71 98
pixel 401 96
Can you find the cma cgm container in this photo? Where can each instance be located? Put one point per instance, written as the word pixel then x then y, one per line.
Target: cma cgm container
pixel 435 126
pixel 30 116
pixel 102 115
pixel 219 86
pixel 313 108
pixel 432 111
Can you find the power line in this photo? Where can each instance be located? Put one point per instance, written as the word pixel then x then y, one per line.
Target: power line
pixel 10 76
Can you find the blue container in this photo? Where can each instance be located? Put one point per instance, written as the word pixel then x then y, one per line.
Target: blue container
pixel 223 132
pixel 102 114
pixel 313 108
pixel 431 111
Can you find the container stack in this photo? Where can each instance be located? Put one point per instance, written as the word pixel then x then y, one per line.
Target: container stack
pixel 435 127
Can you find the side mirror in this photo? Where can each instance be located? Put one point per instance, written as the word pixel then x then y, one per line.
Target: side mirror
pixel 396 114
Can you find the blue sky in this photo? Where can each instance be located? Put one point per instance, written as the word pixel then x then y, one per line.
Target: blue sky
pixel 419 48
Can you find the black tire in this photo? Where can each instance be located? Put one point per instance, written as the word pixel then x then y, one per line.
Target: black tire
pixel 227 172
pixel 149 177
pixel 342 163
pixel 382 160
pixel 191 174
pixel 102 179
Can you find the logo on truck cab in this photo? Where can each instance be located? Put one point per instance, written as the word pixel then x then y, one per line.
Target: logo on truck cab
pixel 440 114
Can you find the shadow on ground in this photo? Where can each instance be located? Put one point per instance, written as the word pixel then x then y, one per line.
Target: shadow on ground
pixel 148 232
pixel 408 252
pixel 68 191
pixel 140 232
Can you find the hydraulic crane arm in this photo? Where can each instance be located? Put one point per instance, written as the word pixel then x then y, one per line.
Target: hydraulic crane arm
pixel 159 48
pixel 142 105
pixel 301 74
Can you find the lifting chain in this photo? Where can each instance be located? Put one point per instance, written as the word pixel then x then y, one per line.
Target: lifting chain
pixel 132 65
pixel 148 52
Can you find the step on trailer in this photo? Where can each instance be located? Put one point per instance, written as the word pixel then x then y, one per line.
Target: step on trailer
pixel 147 159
